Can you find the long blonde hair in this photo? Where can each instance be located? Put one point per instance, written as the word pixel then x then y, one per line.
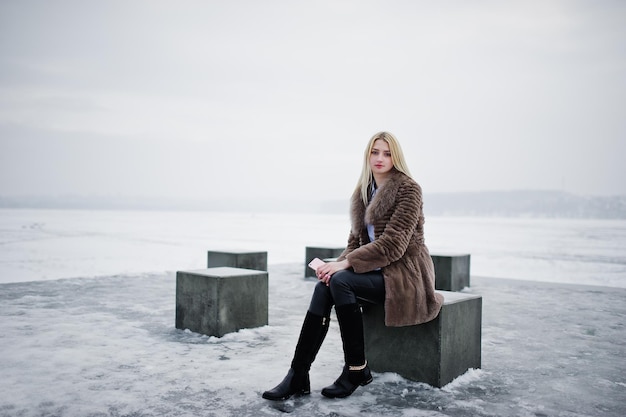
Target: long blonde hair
pixel 397 158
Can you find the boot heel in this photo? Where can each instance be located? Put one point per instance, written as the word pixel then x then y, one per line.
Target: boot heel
pixel 367 382
pixel 367 376
pixel 306 388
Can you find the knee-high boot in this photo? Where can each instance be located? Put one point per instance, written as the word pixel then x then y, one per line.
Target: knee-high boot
pixel 355 372
pixel 314 330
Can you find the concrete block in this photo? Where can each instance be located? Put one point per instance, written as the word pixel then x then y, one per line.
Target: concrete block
pixel 216 301
pixel 435 352
pixel 312 252
pixel 237 259
pixel 452 271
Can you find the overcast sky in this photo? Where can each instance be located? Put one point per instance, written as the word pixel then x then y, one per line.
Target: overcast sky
pixel 277 99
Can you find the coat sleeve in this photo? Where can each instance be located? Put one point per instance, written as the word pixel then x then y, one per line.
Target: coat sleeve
pixel 392 237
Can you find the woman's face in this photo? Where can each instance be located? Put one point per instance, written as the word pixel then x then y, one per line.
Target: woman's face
pixel 380 158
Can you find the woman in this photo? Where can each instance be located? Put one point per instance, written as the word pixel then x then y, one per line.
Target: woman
pixel 385 261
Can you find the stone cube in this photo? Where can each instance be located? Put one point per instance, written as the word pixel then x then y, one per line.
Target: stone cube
pixel 435 352
pixel 237 259
pixel 452 271
pixel 216 301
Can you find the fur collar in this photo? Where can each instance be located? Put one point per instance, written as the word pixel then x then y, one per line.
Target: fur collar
pixel 384 199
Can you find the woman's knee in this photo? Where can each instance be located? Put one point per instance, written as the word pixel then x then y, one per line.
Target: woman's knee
pixel 341 287
pixel 341 279
pixel 321 293
pixel 321 300
pixel 320 287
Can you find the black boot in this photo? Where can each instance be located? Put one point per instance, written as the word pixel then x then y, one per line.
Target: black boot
pixel 297 382
pixel 356 372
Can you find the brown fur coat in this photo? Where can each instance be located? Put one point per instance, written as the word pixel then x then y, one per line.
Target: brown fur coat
pixel 399 249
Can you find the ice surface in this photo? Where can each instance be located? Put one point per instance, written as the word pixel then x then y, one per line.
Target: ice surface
pixel 104 343
pixel 52 244
pixel 108 347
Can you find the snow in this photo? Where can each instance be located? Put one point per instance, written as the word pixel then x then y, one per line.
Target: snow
pixel 108 346
pixel 53 244
pixel 87 320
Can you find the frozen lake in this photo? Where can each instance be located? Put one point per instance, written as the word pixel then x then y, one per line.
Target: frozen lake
pixel 107 346
pixel 51 244
pixel 87 318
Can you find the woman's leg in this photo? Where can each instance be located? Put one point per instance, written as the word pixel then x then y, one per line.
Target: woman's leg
pixel 346 287
pixel 312 334
pixel 322 300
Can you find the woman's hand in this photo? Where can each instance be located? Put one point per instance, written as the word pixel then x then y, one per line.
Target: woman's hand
pixel 326 271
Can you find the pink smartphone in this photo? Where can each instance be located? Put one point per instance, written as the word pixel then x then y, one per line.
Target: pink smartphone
pixel 316 263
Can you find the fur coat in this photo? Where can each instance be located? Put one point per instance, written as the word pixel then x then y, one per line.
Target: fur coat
pixel 399 250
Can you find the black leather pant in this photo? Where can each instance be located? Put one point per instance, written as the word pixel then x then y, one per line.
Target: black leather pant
pixel 346 287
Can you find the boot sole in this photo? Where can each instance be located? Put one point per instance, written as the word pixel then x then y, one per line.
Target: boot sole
pixel 285 398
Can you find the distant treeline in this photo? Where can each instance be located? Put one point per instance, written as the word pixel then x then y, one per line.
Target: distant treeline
pixel 526 203
pixel 486 203
pixel 518 204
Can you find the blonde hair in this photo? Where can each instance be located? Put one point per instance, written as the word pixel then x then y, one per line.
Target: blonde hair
pixel 397 158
